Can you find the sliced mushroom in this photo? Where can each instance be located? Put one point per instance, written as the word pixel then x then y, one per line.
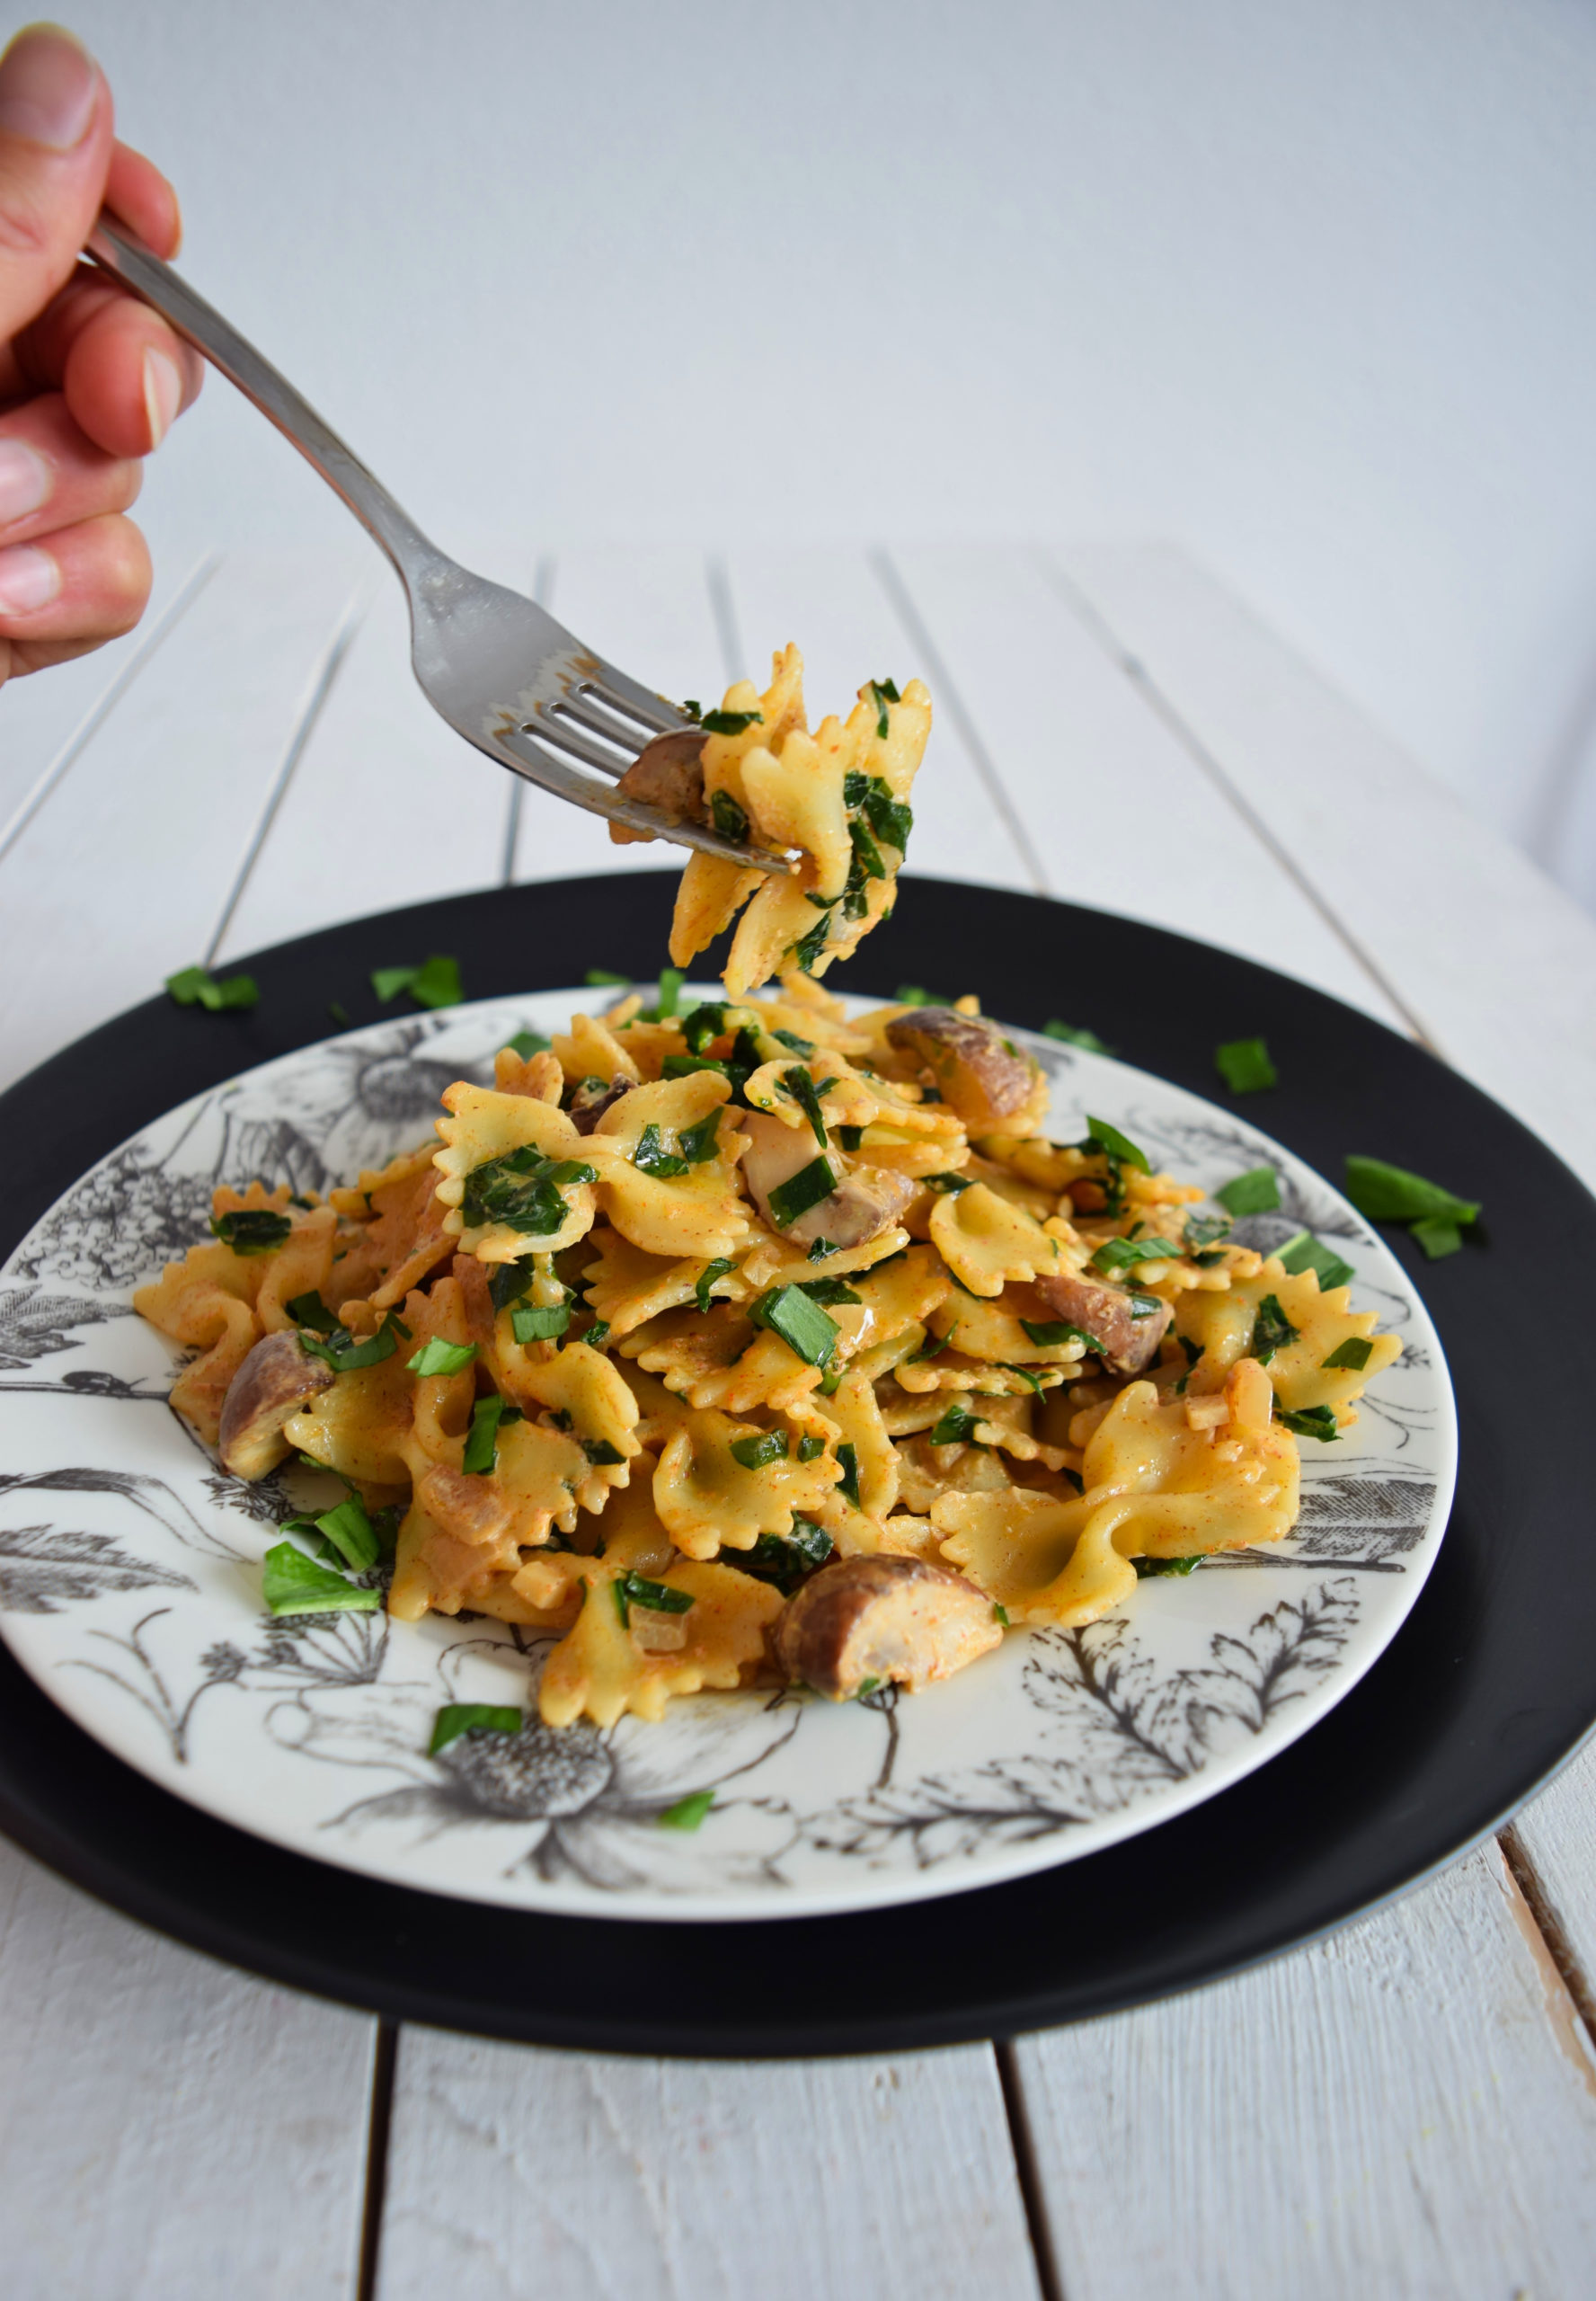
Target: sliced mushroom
pixel 887 1617
pixel 1126 1344
pixel 980 1075
pixel 866 1201
pixel 276 1379
pixel 666 774
pixel 593 1098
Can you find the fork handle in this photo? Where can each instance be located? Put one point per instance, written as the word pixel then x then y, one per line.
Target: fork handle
pixel 119 251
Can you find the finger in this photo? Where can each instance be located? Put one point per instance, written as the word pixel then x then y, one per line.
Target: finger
pixel 54 149
pixel 51 476
pixel 141 196
pixel 83 583
pixel 116 360
pixel 18 657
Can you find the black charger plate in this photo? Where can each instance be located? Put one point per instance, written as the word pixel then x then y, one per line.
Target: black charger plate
pixel 1489 1686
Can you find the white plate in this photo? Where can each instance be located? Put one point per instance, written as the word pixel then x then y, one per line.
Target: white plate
pixel 129 1578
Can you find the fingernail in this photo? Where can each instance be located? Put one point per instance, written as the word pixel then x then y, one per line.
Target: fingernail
pixel 47 88
pixel 162 394
pixel 28 580
pixel 24 481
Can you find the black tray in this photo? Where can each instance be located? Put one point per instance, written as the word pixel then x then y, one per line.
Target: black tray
pixel 1490 1684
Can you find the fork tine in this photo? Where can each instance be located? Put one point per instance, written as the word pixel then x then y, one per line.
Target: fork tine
pixel 551 723
pixel 515 747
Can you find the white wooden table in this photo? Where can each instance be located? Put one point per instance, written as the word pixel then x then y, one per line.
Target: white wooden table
pixel 1407 2109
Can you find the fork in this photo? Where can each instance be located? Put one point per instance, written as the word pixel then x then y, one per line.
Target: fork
pixel 496 666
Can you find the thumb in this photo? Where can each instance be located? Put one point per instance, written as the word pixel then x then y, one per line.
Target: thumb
pixel 56 129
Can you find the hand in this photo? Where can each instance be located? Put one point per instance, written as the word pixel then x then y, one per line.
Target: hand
pixel 89 380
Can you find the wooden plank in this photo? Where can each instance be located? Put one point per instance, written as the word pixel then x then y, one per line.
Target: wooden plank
pixel 1497 965
pixel 552 2176
pixel 832 601
pixel 386 805
pixel 167 2126
pixel 1112 806
pixel 124 873
pixel 1409 2107
pixel 647 610
pixel 47 719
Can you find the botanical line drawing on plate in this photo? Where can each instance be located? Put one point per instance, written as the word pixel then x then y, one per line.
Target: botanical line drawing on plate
pixel 130 1566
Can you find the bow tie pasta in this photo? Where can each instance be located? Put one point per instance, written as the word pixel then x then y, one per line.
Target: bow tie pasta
pixel 751 1339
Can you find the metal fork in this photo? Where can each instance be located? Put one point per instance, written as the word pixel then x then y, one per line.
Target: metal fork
pixel 496 666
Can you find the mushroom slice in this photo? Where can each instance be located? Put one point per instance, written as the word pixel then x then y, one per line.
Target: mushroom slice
pixel 864 1202
pixel 1125 1343
pixel 666 774
pixel 274 1380
pixel 883 1618
pixel 979 1074
pixel 593 1098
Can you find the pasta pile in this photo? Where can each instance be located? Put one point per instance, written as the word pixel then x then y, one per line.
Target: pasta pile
pixel 761 1340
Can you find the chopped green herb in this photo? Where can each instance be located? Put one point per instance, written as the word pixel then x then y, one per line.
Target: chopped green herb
pixel 828 1291
pixel 652 1158
pixel 805 1047
pixel 802 1191
pixel 955 1425
pixel 1027 1374
pixel 1272 1330
pixel 671 980
pixel 692 709
pixel 703 1023
pixel 1202 1230
pixel 809 949
pixel 338 1013
pixel 435 983
pixel 597 1335
pixel 1244 1066
pixel 1257 1192
pixel 482 1444
pixel 310 1311
pixel 293 1584
pixel 820 1249
pixel 688 1066
pixel 731 723
pixel 1145 1306
pixel 850 1137
pixel 700 1141
pixel 600 1453
pixel 945 1184
pixel 1391 1194
pixel 891 820
pixel 885 691
pixel 458 1717
pixel 1313 1422
pixel 437 1356
pixel 539 1321
pixel 1354 1354
pixel 1108 1140
pixel 802 1324
pixel 1074 1479
pixel 867 1687
pixel 909 994
pixel 755 1453
pixel 345 1355
pixel 687 1813
pixel 195 987
pixel 509 1282
pixel 522 1191
pixel 630 1590
pixel 526 1044
pixel 1438 1235
pixel 349 1529
pixel 848 1457
pixel 1146 1567
pixel 1071 1036
pixel 728 819
pixel 1000 1615
pixel 783 1560
pixel 706 1279
pixel 252 1230
pixel 1193 1350
pixel 1048 1333
pixel 1305 1252
pixel 806 1094
pixel 811 1448
pixel 1124 1254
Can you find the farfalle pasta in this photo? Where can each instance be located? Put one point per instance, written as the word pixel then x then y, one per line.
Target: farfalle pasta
pixel 752 1339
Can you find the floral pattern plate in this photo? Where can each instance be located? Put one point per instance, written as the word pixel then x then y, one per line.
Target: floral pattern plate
pixel 129 1578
